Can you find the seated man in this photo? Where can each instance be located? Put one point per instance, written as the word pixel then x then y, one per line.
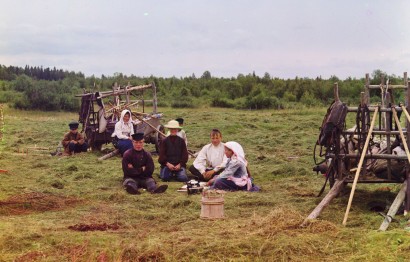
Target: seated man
pixel 138 166
pixel 73 142
pixel 181 133
pixel 211 160
pixel 173 155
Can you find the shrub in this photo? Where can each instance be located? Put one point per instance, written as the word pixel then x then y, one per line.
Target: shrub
pixel 309 100
pixel 185 102
pixel 261 102
pixel 222 102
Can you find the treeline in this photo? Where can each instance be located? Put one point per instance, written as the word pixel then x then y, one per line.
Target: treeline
pixel 249 91
pixel 10 73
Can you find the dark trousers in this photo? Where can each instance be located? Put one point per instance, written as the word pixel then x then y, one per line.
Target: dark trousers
pixel 147 183
pixel 77 148
pixel 225 184
pixel 124 145
pixel 198 175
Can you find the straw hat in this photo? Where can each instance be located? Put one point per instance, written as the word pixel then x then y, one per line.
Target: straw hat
pixel 173 124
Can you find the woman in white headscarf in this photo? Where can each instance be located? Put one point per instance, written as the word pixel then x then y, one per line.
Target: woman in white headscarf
pixel 235 176
pixel 124 129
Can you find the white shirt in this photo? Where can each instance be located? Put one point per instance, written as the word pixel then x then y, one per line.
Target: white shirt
pixel 211 156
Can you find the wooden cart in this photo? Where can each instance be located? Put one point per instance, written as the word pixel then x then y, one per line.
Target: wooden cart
pixel 100 111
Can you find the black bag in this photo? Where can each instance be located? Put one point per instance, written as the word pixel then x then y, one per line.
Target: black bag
pixel 334 121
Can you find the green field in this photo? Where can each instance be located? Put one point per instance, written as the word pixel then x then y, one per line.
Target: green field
pixel 43 199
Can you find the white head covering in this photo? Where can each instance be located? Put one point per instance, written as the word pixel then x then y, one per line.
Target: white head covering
pixel 237 150
pixel 122 118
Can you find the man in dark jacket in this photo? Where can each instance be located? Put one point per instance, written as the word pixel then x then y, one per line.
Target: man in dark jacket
pixel 173 155
pixel 138 166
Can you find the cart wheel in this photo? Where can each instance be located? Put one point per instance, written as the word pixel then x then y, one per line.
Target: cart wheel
pixel 158 137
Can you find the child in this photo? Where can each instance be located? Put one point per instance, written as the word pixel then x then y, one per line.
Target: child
pixel 73 142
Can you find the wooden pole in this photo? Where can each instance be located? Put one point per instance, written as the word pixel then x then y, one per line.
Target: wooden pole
pixel 367 87
pixel 405 112
pixel 387 128
pixel 394 207
pixel 336 92
pixel 359 167
pixel 109 155
pixel 155 101
pixel 153 127
pixel 407 205
pixel 333 192
pixel 403 139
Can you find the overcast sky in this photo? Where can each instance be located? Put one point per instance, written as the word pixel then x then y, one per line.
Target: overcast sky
pixel 285 38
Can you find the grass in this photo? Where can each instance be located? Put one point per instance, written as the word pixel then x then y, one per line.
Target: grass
pixel 43 198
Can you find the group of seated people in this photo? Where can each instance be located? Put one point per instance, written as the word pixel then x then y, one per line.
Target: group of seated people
pixel 221 165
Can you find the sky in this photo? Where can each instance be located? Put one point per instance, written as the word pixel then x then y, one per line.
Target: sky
pixel 285 38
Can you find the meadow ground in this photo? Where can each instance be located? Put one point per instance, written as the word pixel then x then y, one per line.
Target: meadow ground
pixel 74 208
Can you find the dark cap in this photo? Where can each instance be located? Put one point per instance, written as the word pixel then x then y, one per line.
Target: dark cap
pixel 180 120
pixel 138 136
pixel 73 125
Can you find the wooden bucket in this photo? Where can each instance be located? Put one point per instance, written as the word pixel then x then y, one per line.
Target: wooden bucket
pixel 212 207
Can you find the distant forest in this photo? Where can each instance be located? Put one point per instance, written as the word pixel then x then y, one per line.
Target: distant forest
pixel 52 89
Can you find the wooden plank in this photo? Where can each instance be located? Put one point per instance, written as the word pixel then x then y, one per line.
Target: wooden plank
pixel 333 192
pixel 394 207
pixel 359 167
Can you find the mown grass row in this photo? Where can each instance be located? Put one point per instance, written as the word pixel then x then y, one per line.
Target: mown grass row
pixel 51 194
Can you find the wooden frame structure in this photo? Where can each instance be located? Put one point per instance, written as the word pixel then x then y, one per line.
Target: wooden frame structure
pixel 98 119
pixel 386 112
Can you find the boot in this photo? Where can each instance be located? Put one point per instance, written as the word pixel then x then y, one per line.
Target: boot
pixel 132 188
pixel 160 189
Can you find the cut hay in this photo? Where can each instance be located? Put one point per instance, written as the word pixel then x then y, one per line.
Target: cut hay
pixel 35 202
pixel 285 219
pixel 94 227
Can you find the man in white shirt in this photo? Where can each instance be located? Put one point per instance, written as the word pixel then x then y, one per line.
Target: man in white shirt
pixel 211 160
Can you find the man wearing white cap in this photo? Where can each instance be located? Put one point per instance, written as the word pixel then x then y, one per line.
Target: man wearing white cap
pixel 173 155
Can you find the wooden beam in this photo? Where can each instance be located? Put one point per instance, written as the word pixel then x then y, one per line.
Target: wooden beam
pixel 359 167
pixel 333 192
pixel 394 207
pixel 109 155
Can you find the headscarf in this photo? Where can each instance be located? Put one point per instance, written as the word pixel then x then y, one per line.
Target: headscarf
pixel 122 118
pixel 237 150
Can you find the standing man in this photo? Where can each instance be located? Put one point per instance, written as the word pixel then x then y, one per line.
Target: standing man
pixel 138 166
pixel 173 155
pixel 211 160
pixel 73 142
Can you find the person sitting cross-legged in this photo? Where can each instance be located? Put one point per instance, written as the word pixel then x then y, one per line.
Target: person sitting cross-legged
pixel 138 166
pixel 123 131
pixel 235 176
pixel 211 160
pixel 173 155
pixel 73 142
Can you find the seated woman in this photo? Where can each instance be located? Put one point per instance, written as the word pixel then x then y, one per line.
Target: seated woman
pixel 124 129
pixel 235 176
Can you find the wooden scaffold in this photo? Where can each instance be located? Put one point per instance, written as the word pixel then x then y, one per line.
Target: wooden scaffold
pixel 351 150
